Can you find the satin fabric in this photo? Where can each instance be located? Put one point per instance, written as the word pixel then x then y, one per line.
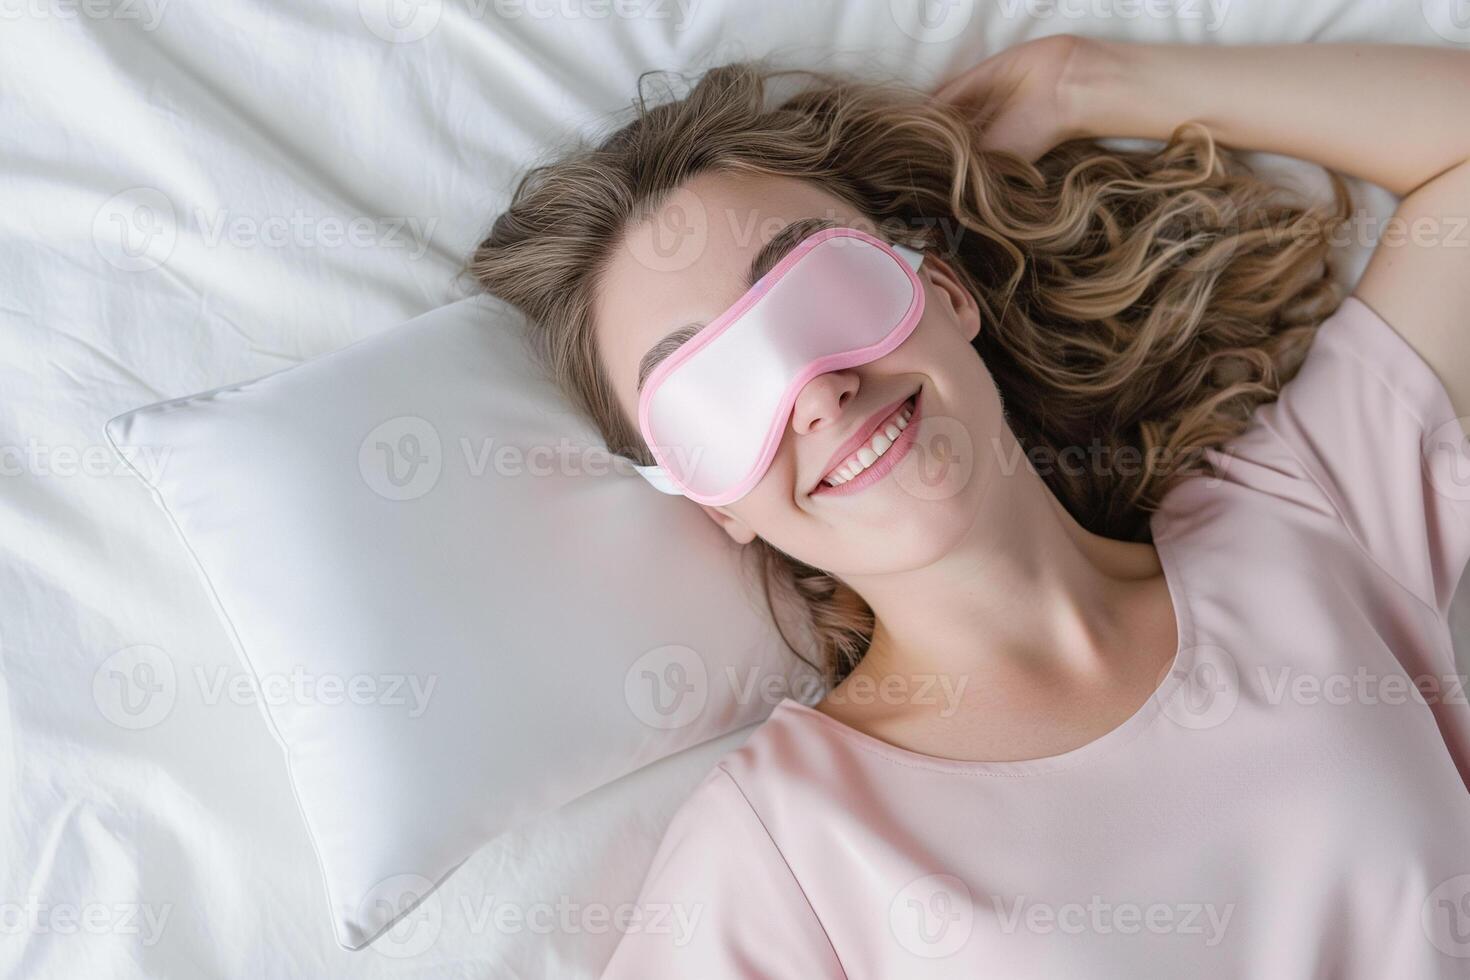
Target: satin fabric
pixel 1281 807
pixel 713 412
pixel 415 529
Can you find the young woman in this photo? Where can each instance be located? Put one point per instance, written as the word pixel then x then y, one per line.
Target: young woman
pixel 1176 527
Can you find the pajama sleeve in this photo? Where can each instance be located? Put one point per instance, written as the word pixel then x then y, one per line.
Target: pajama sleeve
pixel 719 902
pixel 1373 427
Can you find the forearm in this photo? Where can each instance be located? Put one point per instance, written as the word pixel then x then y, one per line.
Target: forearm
pixel 1393 114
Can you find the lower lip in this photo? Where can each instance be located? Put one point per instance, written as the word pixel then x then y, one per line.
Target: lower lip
pixel 885 463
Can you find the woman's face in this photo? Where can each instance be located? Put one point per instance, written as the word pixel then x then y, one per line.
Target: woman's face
pixel 686 262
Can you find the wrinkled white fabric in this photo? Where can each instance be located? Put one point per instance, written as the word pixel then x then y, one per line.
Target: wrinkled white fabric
pixel 251 117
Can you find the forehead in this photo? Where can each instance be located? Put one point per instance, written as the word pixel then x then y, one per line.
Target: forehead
pixel 686 260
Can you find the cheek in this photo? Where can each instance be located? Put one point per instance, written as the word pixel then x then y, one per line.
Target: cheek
pixel 931 523
pixel 894 538
pixel 912 535
pixel 771 511
pixel 938 337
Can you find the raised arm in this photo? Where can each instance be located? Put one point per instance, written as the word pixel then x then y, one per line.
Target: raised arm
pixel 1393 114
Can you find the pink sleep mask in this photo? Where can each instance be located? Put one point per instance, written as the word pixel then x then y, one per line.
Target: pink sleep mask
pixel 713 412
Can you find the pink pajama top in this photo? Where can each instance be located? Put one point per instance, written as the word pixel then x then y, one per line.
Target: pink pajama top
pixel 1292 801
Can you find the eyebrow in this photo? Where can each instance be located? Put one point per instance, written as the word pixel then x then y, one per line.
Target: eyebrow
pixel 771 253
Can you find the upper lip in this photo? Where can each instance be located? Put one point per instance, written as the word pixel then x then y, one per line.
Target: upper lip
pixel 860 437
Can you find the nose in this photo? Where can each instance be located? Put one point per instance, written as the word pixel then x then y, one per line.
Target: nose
pixel 822 400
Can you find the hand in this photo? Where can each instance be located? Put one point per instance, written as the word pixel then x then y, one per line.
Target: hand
pixel 1022 98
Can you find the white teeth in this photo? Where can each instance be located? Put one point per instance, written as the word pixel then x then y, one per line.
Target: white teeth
pixel 868 455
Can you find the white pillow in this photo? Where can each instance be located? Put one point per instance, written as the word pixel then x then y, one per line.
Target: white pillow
pixel 461 613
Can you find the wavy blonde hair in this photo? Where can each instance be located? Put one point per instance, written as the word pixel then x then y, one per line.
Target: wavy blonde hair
pixel 1136 302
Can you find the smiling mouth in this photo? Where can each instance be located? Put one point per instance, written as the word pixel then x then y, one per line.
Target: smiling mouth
pixel 868 463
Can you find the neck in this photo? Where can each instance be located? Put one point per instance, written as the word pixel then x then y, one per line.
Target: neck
pixel 1026 592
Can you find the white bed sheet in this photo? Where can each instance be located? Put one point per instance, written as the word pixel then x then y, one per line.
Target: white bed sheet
pixel 176 850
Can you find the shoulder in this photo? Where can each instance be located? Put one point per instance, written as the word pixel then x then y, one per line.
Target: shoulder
pixel 793 750
pixel 720 882
pixel 776 754
pixel 767 790
pixel 1361 445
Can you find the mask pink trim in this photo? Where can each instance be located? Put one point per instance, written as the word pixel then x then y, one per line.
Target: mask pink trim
pixel 714 422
